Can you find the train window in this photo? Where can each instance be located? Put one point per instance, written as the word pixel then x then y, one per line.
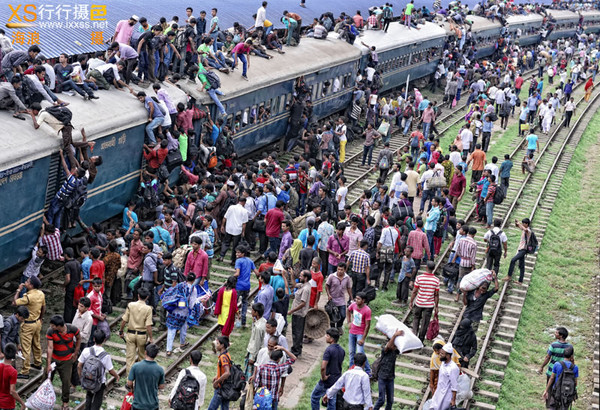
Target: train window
pixel 238 121
pixel 347 81
pixel 315 91
pixel 253 113
pixel 229 121
pixel 281 107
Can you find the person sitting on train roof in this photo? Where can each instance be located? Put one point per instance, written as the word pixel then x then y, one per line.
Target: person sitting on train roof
pixel 9 99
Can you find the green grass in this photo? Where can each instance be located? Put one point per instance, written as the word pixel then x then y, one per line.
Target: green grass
pixel 559 292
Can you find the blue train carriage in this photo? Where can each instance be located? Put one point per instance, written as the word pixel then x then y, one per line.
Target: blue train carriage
pixel 404 55
pixel 566 24
pixel 485 33
pixel 529 26
pixel 591 21
pixel 30 163
pixel 329 68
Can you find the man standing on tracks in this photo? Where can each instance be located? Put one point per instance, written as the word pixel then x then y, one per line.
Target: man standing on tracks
pixel 138 319
pixel 445 394
pixel 477 157
pixel 63 345
pixel 149 378
pixel 522 251
pixel 426 292
pixel 35 301
pixel 467 251
pixel 384 161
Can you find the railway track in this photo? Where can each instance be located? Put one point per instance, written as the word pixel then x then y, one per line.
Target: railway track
pixel 596 367
pixel 501 314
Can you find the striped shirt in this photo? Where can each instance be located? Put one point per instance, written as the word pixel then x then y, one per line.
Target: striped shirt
pixel 418 240
pixel 556 351
pixel 64 344
pixel 52 242
pixel 467 250
pixel 359 260
pixel 428 286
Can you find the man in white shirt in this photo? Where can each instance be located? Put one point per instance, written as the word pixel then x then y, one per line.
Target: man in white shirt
pixel 94 400
pixel 370 73
pixel 356 384
pixel 83 319
pixel 493 167
pixel 467 138
pixel 261 16
pixel 495 250
pixel 50 74
pixel 233 225
pixel 455 156
pixel 196 373
pixel 97 61
pixel 427 193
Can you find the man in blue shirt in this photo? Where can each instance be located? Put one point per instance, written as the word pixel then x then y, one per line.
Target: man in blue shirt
pixel 532 103
pixel 487 132
pixel 161 234
pixel 129 216
pixel 244 267
pixel 155 115
pixel 505 170
pixel 86 264
pixel 557 370
pixel 264 204
pixel 532 143
pixel 331 370
pixel 432 221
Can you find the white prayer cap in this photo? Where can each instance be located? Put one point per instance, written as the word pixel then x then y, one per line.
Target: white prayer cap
pixel 448 348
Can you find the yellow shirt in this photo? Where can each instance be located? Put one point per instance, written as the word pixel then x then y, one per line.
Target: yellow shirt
pixel 225 307
pixel 267 23
pixel 435 362
pixel 138 315
pixel 34 300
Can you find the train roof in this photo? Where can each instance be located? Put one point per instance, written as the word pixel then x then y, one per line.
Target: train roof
pixel 114 111
pixel 310 56
pixel 563 14
pixel 479 24
pixel 530 18
pixel 398 36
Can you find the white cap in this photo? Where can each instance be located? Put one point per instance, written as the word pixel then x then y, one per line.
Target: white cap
pixel 134 17
pixel 448 348
pixel 230 183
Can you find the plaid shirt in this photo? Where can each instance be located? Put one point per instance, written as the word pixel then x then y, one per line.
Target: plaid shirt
pixel 52 241
pixel 360 261
pixel 269 376
pixel 467 250
pixel 418 240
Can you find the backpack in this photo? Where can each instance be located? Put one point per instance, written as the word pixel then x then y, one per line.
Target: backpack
pixel 213 79
pixel 229 201
pixel 500 194
pixel 532 243
pixel 107 307
pixel 495 243
pixel 186 393
pixel 384 162
pixel 92 371
pixel 62 114
pixel 408 111
pixel 163 172
pixel 414 141
pixel 149 196
pixel 492 117
pixel 377 81
pixel 370 293
pixel 375 367
pixel 387 13
pixel 564 391
pixel 231 390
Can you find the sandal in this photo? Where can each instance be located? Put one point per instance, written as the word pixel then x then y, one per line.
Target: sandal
pixel 184 346
pixel 169 354
pixel 19 117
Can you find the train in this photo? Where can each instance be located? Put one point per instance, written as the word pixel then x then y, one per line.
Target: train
pixel 30 170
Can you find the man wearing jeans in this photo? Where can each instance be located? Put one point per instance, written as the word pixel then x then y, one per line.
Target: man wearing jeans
pixel 427 193
pixel 155 115
pixel 299 310
pixel 521 250
pixel 335 287
pixel 426 292
pixel 331 370
pixel 65 82
pixel 273 221
pixel 359 319
pixel 431 223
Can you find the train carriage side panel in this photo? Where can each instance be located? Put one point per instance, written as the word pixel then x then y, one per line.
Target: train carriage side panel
pixel 118 177
pixel 22 195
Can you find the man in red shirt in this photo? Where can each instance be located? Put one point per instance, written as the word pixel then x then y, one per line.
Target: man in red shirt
pixel 156 157
pixel 63 345
pixel 197 260
pixel 8 379
pixel 273 221
pixel 184 121
pixel 95 297
pixel 457 187
pixel 97 268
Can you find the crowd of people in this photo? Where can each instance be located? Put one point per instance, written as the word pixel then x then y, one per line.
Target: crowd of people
pixel 296 214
